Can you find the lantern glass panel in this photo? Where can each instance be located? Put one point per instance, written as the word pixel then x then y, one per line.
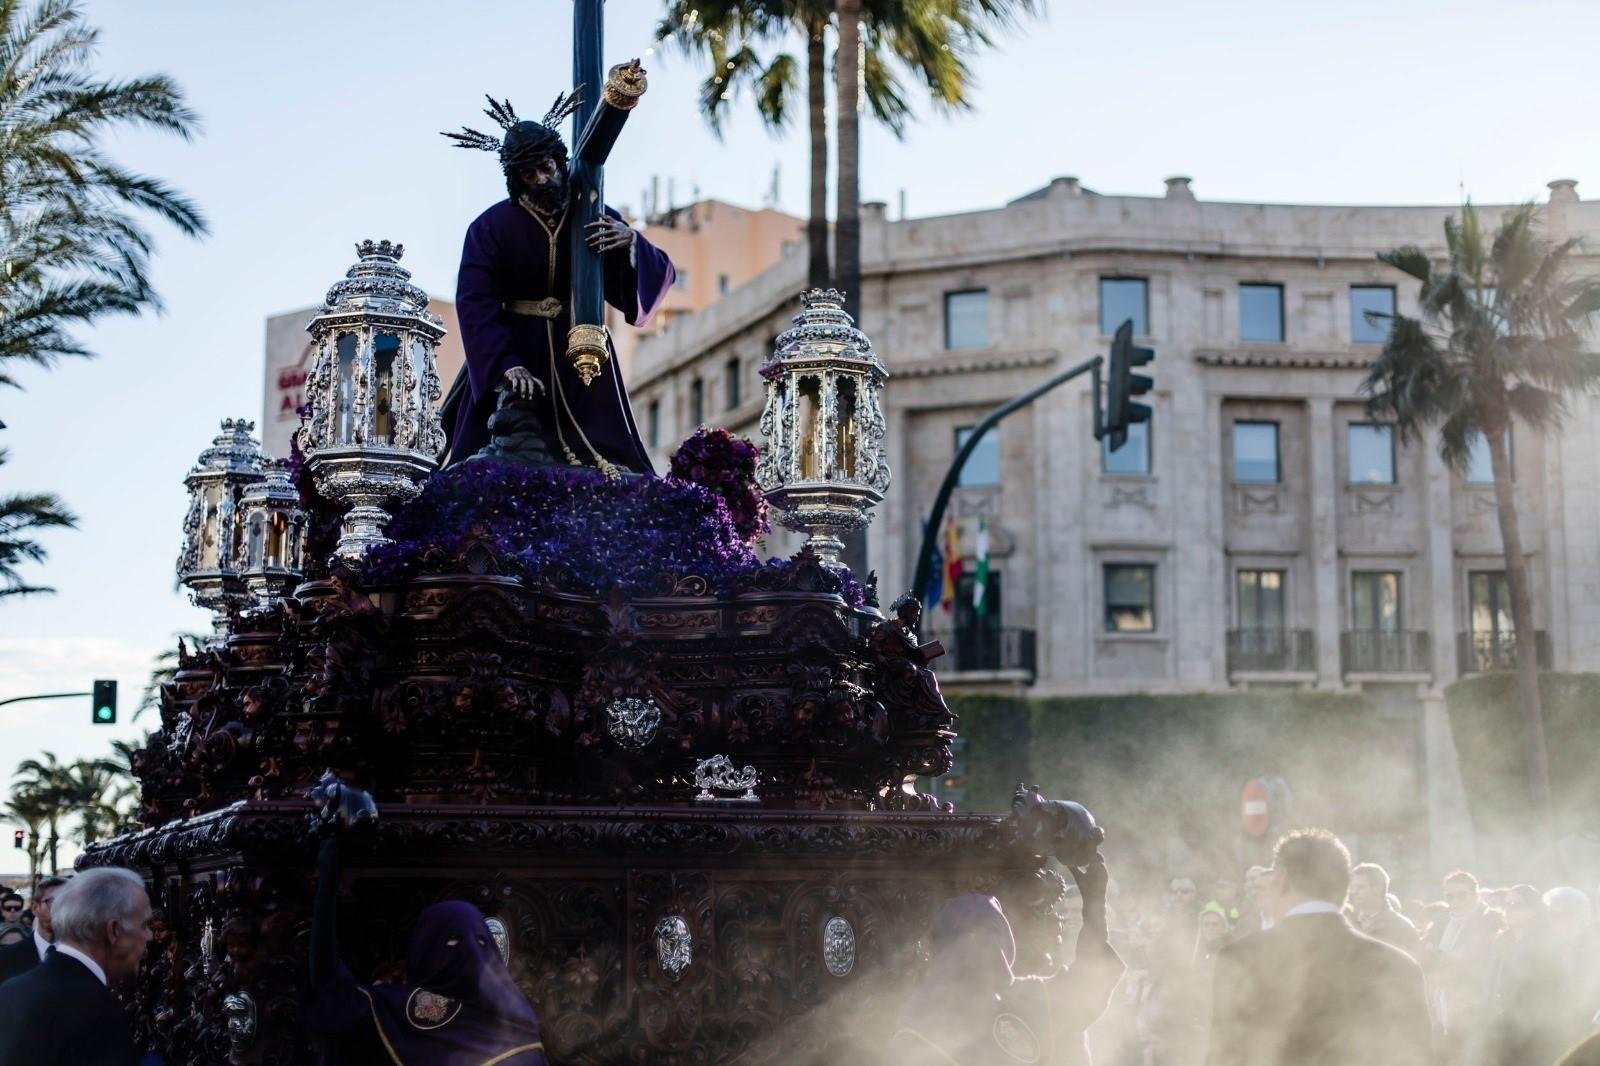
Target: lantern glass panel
pixel 255 542
pixel 210 527
pixel 808 428
pixel 277 531
pixel 385 350
pixel 846 430
pixel 419 366
pixel 345 345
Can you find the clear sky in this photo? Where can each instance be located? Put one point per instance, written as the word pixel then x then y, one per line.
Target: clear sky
pixel 320 129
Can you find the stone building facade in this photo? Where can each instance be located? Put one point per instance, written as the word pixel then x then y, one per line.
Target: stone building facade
pixel 1261 533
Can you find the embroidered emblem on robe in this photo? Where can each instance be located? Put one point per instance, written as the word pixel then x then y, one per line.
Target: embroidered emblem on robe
pixel 1014 1038
pixel 427 1010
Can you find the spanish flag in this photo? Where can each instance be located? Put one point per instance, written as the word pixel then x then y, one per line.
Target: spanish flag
pixel 952 564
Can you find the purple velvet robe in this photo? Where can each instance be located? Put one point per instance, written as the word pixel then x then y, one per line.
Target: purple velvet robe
pixel 510 255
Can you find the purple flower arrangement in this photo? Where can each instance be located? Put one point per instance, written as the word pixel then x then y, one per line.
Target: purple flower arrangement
pixel 573 526
pixel 726 465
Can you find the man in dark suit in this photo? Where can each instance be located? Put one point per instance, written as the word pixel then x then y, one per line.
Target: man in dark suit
pixel 24 955
pixel 1312 991
pixel 1369 910
pixel 62 1012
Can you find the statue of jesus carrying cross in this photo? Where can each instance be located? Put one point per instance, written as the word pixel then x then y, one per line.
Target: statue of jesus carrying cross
pixel 536 271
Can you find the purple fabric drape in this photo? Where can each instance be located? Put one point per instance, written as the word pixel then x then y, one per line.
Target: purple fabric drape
pixel 510 255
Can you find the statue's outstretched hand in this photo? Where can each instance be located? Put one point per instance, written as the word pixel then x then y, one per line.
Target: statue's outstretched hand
pixel 608 234
pixel 524 386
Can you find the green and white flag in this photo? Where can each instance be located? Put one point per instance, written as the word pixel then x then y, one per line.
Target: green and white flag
pixel 980 583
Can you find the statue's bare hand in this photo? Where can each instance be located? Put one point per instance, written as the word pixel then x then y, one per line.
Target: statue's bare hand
pixel 524 386
pixel 608 234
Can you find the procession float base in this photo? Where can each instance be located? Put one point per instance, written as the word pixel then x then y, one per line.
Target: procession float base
pixel 680 779
pixel 800 931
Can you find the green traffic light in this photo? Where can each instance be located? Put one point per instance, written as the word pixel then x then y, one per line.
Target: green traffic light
pixel 105 714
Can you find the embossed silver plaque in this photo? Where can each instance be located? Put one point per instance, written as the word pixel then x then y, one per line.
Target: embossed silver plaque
pixel 839 946
pixel 717 774
pixel 502 938
pixel 674 945
pixel 632 721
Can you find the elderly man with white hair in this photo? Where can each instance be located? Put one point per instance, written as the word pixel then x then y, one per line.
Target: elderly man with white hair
pixel 62 1013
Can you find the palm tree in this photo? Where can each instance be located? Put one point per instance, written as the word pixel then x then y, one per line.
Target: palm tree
pixel 72 243
pixel 48 783
pixel 21 516
pixel 27 807
pixel 1500 338
pixel 96 790
pixel 933 41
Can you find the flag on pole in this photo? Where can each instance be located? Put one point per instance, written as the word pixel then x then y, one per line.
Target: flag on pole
pixel 980 581
pixel 952 564
pixel 933 580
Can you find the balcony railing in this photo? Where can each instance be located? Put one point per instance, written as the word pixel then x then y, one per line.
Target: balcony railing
pixel 987 649
pixel 1271 651
pixel 1376 651
pixel 1480 652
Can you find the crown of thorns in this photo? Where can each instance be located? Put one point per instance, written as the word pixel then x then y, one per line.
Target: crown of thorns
pixel 505 116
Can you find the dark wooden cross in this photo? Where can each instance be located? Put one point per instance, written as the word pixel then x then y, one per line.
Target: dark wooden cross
pixel 606 102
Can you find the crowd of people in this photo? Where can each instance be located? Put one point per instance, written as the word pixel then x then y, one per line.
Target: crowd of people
pixel 1511 974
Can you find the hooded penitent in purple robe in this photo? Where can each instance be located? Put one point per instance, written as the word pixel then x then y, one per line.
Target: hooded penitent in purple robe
pixel 514 258
pixel 458 1006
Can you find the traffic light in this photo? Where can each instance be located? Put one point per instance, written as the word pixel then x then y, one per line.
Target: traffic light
pixel 1122 385
pixel 18 837
pixel 105 703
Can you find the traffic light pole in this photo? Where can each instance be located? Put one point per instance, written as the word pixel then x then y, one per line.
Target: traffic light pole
pixel 920 575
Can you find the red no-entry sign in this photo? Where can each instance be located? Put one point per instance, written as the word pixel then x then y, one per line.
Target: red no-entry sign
pixel 1255 808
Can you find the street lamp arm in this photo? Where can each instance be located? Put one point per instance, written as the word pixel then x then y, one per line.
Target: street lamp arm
pixel 45 696
pixel 920 575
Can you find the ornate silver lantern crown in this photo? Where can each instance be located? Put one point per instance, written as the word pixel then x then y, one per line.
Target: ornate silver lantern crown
pixel 212 557
pixel 372 434
pixel 826 465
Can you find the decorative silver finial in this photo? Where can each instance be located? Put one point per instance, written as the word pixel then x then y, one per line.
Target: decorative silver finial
pixel 368 249
pixel 718 773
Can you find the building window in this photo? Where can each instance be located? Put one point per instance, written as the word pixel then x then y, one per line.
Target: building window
pixel 697 403
pixel 1122 299
pixel 1133 458
pixel 966 319
pixel 680 278
pixel 653 423
pixel 1479 469
pixel 723 284
pixel 1371 307
pixel 983 465
pixel 1130 598
pixel 1255 453
pixel 1489 606
pixel 1375 601
pixel 1371 453
pixel 1261 599
pixel 977 634
pixel 1261 313
pixel 730 377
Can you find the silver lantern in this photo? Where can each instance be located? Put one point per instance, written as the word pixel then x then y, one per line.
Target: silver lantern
pixel 213 530
pixel 274 535
pixel 372 436
pixel 825 464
